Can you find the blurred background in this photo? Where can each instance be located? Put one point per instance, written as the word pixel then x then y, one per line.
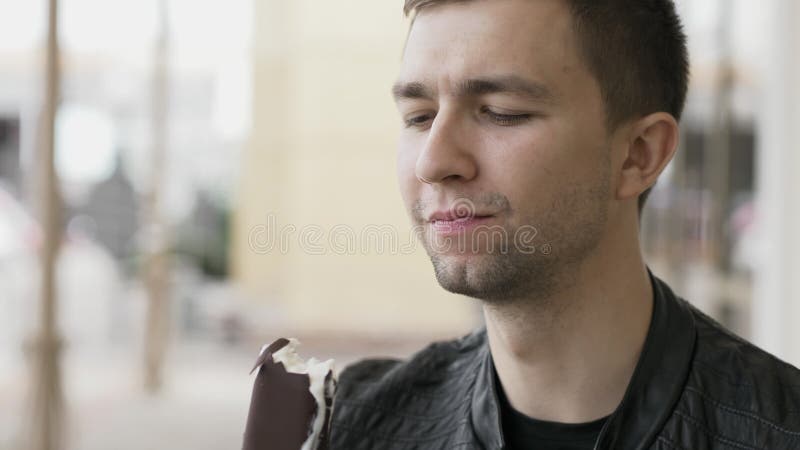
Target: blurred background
pixel 223 174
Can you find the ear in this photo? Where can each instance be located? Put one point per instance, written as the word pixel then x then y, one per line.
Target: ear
pixel 651 146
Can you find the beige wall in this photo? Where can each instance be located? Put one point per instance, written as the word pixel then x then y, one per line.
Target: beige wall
pixel 323 153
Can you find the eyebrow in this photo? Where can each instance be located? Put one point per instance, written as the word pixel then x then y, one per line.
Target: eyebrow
pixel 474 87
pixel 410 91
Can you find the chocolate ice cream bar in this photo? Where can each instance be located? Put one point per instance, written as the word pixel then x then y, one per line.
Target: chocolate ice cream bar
pixel 292 401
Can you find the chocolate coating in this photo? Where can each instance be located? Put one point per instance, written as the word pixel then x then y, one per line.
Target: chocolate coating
pixel 281 406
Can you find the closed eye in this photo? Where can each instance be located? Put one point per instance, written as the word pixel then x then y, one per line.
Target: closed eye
pixel 506 119
pixel 418 121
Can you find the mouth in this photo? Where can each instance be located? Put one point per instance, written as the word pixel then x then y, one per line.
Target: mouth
pixel 454 226
pixel 455 215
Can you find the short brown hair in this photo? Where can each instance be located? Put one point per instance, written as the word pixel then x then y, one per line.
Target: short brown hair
pixel 636 49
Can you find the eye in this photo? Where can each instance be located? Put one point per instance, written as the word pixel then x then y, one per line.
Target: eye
pixel 505 119
pixel 418 121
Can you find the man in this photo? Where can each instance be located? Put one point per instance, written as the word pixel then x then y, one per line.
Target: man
pixel 532 132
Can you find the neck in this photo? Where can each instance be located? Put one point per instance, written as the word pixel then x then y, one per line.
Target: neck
pixel 569 358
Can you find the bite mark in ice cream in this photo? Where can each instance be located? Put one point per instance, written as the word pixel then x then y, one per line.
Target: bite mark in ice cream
pixel 292 400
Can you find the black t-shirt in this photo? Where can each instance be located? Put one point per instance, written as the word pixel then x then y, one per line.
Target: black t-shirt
pixel 522 432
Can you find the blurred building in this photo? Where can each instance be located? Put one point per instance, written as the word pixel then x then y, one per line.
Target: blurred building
pixel 104 139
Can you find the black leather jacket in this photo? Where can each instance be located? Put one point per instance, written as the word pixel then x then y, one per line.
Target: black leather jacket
pixel 696 387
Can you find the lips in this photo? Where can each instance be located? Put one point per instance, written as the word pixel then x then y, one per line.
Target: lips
pixel 454 216
pixel 458 225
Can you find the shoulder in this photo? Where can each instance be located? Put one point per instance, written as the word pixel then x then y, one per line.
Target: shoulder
pixel 739 394
pixel 436 364
pixel 379 401
pixel 728 363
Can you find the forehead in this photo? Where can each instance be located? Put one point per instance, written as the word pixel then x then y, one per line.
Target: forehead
pixel 454 41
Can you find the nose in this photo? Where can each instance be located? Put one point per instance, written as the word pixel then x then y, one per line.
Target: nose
pixel 446 152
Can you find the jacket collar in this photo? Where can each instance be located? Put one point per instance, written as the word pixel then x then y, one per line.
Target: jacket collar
pixel 485 405
pixel 652 393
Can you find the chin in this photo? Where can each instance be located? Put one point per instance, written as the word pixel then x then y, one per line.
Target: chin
pixel 496 279
pixel 468 274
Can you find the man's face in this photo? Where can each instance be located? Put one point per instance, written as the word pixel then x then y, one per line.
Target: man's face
pixel 502 120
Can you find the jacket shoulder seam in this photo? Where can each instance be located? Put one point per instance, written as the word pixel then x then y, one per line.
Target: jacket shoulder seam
pixel 744 413
pixel 717 437
pixel 747 346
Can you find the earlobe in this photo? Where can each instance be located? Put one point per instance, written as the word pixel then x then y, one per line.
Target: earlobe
pixel 651 146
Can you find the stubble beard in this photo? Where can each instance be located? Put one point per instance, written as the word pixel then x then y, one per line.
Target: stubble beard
pixel 571 228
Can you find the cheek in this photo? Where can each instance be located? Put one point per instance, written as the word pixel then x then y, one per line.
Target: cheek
pixel 528 159
pixel 533 166
pixel 406 173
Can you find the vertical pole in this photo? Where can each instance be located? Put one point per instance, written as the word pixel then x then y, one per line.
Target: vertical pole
pixel 156 270
pixel 718 154
pixel 48 401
